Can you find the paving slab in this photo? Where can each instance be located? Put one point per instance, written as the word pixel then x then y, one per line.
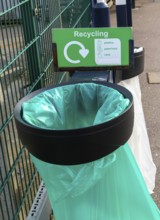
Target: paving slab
pixel 153 77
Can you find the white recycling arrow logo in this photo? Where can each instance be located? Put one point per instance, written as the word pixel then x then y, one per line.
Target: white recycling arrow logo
pixel 83 51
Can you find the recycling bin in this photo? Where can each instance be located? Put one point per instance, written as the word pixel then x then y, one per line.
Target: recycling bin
pixel 76 134
pixel 72 115
pixel 138 66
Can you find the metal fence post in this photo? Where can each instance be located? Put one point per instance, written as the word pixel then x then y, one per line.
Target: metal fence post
pixel 129 12
pixel 133 4
pixel 33 52
pixel 121 12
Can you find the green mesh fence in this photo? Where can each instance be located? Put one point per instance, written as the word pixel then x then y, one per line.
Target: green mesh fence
pixel 26 64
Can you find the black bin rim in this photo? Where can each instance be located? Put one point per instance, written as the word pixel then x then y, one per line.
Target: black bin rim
pixel 75 146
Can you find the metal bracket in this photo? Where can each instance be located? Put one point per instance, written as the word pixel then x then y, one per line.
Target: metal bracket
pixel 41 208
pixel 37 11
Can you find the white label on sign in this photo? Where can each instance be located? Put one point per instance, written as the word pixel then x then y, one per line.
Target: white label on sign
pixel 120 2
pixel 107 51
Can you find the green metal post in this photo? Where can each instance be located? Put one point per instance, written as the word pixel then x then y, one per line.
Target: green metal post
pixel 30 33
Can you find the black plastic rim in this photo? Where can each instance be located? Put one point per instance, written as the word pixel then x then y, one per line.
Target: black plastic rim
pixel 76 146
pixel 138 67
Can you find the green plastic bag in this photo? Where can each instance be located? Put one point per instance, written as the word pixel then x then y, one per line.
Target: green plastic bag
pixel 74 106
pixel 109 188
pixel 119 193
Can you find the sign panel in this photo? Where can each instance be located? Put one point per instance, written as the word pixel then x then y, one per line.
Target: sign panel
pixel 92 47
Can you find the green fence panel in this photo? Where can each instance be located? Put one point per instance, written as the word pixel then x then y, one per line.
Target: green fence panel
pixel 26 64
